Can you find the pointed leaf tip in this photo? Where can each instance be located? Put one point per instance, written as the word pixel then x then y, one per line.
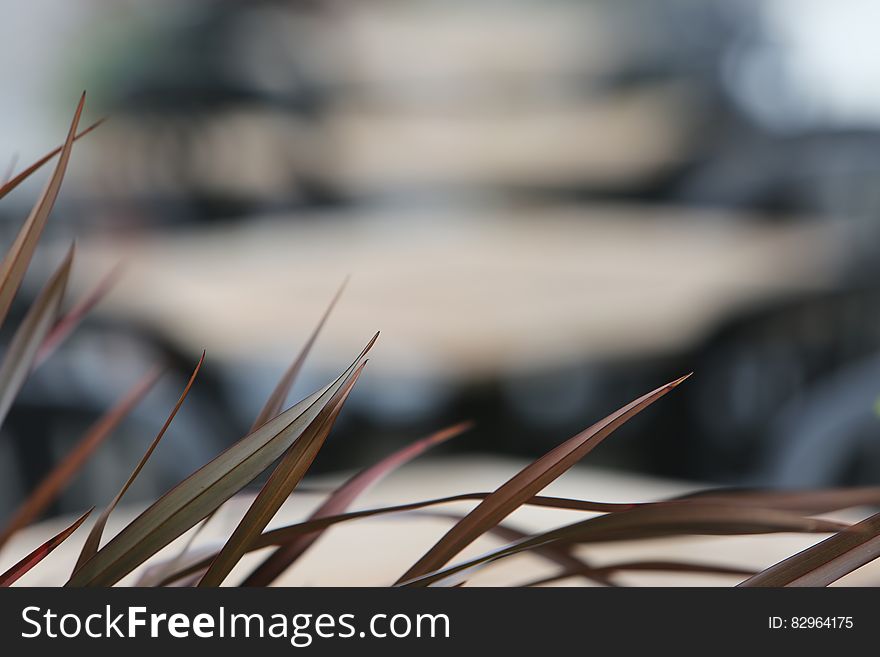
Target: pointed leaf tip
pixel 527 483
pixel 15 262
pixel 35 557
pixel 276 400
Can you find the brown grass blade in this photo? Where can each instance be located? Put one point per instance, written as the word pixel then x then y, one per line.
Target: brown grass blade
pixel 659 521
pixel 93 541
pixel 58 478
pixel 16 261
pixel 205 490
pixel 558 554
pixel 18 362
pixel 276 400
pixel 528 483
pixel 648 523
pixel 284 478
pixel 73 317
pixel 283 535
pixel 341 499
pixel 810 502
pixel 10 183
pixel 643 566
pixel 35 557
pixel 827 561
pixel 163 573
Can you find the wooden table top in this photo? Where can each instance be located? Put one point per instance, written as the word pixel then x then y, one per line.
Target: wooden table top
pixel 459 293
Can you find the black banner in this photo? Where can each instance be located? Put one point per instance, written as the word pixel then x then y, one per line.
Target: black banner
pixel 434 621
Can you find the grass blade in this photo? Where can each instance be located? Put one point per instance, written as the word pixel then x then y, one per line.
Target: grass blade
pixel 18 361
pixel 282 389
pixel 56 480
pixel 163 573
pixel 205 490
pixel 10 183
pixel 643 566
pixel 93 541
pixel 827 561
pixel 341 499
pixel 276 400
pixel 73 317
pixel 284 478
pixel 811 502
pixel 16 261
pixel 528 483
pixel 647 523
pixel 558 554
pixel 780 500
pixel 35 557
pixel 284 535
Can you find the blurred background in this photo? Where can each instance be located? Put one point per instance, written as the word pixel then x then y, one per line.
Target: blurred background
pixel 548 207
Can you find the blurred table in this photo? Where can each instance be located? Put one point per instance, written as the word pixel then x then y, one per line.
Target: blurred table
pixel 459 293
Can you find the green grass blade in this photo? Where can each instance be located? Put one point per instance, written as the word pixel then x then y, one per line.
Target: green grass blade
pixel 284 478
pixel 93 541
pixel 205 490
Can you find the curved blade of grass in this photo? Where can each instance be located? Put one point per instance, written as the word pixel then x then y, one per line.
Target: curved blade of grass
pixel 558 554
pixel 659 521
pixel 283 535
pixel 643 566
pixel 16 261
pixel 160 574
pixel 287 474
pixel 341 499
pixel 276 400
pixel 73 317
pixel 35 557
pixel 205 490
pixel 647 523
pixel 58 478
pixel 11 183
pixel 527 483
pixel 811 502
pixel 827 561
pixel 18 362
pixel 93 541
